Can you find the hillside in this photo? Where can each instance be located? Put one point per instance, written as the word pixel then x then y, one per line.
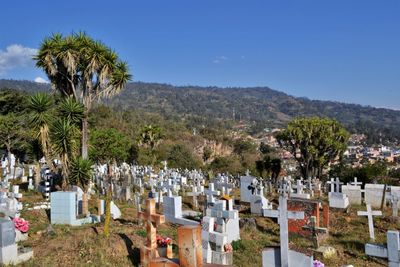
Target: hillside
pixel 260 106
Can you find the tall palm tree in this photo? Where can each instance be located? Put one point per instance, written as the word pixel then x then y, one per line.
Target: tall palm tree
pixel 84 69
pixel 41 105
pixel 63 135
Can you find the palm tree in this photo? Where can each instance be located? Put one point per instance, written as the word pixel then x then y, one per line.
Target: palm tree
pixel 84 69
pixel 41 105
pixel 80 175
pixel 63 135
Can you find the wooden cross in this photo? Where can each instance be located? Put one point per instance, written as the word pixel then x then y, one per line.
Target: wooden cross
pixel 149 251
pixel 312 227
pixel 369 213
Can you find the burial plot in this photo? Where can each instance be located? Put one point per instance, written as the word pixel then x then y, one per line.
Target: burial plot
pixel 173 211
pixel 374 195
pixel 391 251
pixel 148 252
pixel 245 182
pixel 64 209
pixel 9 252
pixel 282 256
pixel 300 191
pixel 311 208
pixel 353 192
pixel 211 193
pixel 336 199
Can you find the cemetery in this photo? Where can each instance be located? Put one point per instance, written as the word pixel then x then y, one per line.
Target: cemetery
pixel 98 169
pixel 285 229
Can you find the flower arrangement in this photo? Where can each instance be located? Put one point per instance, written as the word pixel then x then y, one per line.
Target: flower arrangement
pixel 21 225
pixel 228 248
pixel 318 264
pixel 163 242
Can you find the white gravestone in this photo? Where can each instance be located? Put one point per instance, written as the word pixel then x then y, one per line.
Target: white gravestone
pixel 374 194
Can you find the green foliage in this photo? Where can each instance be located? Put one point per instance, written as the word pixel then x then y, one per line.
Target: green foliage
pixel 313 142
pixel 80 172
pixel 13 136
pixel 109 145
pixel 238 245
pixel 226 164
pixel 71 110
pixel 12 101
pixel 141 233
pixel 368 173
pixel 242 146
pixel 180 156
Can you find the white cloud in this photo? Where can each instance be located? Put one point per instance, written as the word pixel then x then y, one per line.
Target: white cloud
pixel 219 59
pixel 16 56
pixel 40 80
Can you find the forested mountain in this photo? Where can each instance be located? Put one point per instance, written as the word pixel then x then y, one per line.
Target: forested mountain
pixel 258 106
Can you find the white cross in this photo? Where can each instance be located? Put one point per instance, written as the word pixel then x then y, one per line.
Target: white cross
pixel 337 183
pixel 195 194
pixel 394 200
pixel 211 192
pixel 355 182
pixel 283 215
pixel 332 183
pixel 369 213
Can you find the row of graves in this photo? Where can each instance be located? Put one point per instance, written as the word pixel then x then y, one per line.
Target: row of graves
pixel 207 230
pixel 13 228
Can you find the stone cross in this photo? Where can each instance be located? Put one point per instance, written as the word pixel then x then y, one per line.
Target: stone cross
pixel 391 251
pixel 369 213
pixel 226 186
pixel 355 182
pixel 211 192
pixel 149 250
pixel 332 183
pixel 312 227
pixel 337 184
pixel 299 187
pixel 195 194
pixel 170 187
pixel 283 215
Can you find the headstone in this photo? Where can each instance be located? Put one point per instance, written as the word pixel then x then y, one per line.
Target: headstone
pixel 115 211
pixel 211 192
pixel 64 209
pixel 245 193
pixel 353 192
pixel 374 193
pixel 9 253
pixel 173 211
pixel 391 251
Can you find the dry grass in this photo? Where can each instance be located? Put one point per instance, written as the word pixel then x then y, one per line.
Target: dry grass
pixel 86 245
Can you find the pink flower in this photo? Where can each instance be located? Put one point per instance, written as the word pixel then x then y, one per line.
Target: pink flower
pixel 21 225
pixel 318 264
pixel 228 248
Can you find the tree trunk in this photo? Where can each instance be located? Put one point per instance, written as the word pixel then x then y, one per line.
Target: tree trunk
pixel 85 206
pixel 107 219
pixel 85 135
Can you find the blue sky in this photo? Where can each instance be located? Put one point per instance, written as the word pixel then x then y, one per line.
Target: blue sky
pixel 344 50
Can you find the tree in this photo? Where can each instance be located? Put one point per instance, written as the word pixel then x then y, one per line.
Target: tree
pixel 41 116
pixel 313 142
pixel 80 175
pixel 10 132
pixel 64 140
pixel 180 156
pixel 150 136
pixel 84 69
pixel 107 145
